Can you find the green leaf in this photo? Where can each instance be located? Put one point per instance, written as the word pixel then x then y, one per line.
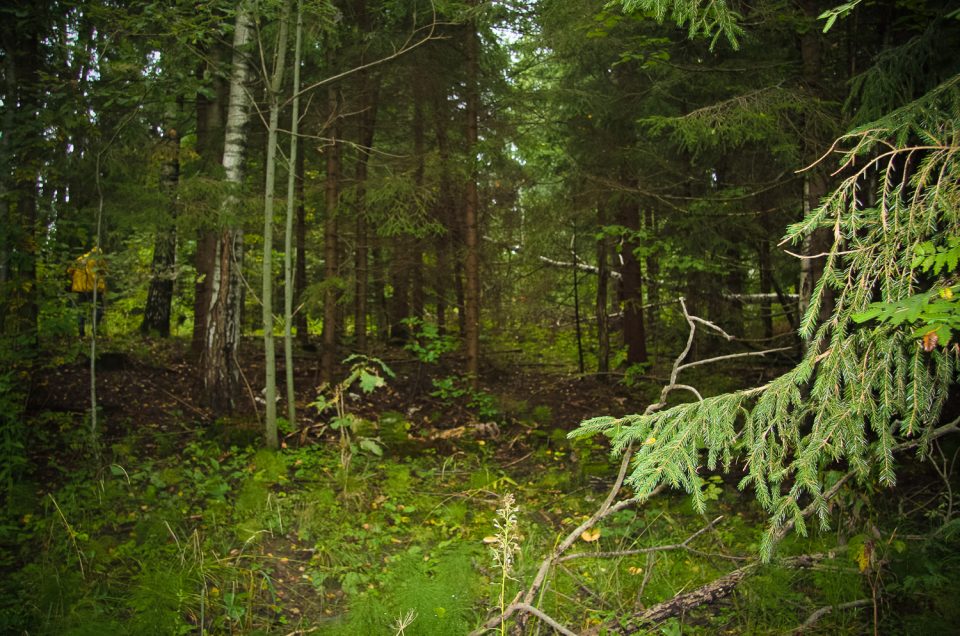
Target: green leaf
pixel 369 381
pixel 371 446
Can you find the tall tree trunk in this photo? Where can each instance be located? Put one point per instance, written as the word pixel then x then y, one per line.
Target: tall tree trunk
pixel 652 263
pixel 366 129
pixel 218 363
pixel 816 180
pixel 634 334
pixel 293 164
pixel 331 249
pixel 269 349
pixel 210 139
pixel 602 312
pixel 300 278
pixel 443 215
pixel 156 313
pixel 471 298
pixel 22 70
pixel 766 287
pixel 416 255
pixel 576 300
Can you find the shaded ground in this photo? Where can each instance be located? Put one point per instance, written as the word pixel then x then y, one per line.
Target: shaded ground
pixel 159 387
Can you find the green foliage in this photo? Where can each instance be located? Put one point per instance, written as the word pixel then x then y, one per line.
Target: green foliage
pixel 452 389
pixel 713 19
pixel 934 314
pixel 856 391
pixel 427 343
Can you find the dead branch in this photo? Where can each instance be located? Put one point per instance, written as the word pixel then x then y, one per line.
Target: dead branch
pixel 823 611
pixel 705 594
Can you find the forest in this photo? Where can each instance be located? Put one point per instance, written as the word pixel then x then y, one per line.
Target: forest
pixel 446 317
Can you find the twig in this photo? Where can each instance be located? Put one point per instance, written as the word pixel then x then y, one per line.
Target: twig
pixel 659 548
pixel 823 611
pixel 734 355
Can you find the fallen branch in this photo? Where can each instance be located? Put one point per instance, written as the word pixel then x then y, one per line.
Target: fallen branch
pixel 705 594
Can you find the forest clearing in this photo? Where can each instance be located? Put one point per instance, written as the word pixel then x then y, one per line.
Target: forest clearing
pixel 446 317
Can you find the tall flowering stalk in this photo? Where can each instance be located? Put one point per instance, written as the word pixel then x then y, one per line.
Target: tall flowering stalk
pixel 505 546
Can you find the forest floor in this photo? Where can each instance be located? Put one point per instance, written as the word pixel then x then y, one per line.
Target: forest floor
pixel 178 519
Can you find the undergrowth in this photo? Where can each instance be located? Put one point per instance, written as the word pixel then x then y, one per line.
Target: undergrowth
pixel 182 532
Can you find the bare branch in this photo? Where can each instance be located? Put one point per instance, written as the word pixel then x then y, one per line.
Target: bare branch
pixel 823 611
pixel 659 548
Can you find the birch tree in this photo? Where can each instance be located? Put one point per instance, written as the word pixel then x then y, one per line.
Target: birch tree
pixel 219 371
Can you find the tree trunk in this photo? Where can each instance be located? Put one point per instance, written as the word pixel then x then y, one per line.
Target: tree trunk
pixel 156 313
pixel 631 280
pixel 294 165
pixel 601 312
pixel 269 349
pixel 219 369
pixel 21 44
pixel 766 287
pixel 300 278
pixel 815 181
pixel 471 296
pixel 443 215
pixel 652 262
pixel 210 139
pixel 331 249
pixel 366 129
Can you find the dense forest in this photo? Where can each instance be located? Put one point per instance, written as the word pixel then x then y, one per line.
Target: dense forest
pixel 435 317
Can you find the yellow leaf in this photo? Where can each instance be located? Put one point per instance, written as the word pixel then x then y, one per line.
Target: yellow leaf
pixel 590 535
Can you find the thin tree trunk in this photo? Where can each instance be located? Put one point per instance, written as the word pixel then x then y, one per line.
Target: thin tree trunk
pixel 269 349
pixel 601 313
pixel 288 273
pixel 634 334
pixel 652 263
pixel 219 369
pixel 366 130
pixel 576 302
pixel 156 313
pixel 471 299
pixel 766 287
pixel 444 214
pixel 300 278
pixel 331 251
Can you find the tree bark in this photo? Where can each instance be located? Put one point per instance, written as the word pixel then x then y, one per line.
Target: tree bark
pixel 331 249
pixel 22 140
pixel 156 313
pixel 218 365
pixel 471 297
pixel 815 181
pixel 269 348
pixel 366 129
pixel 300 277
pixel 766 287
pixel 631 281
pixel 294 165
pixel 601 313
pixel 210 139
